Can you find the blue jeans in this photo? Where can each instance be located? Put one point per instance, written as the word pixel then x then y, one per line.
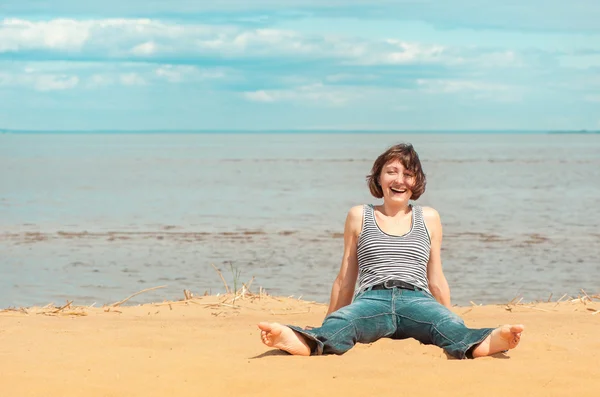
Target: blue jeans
pixel 397 314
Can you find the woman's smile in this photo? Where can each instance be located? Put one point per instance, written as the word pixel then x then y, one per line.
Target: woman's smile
pixel 398 190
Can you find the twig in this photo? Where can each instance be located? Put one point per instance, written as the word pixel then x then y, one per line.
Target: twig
pixel 137 293
pixel 586 295
pixel 250 283
pixel 513 300
pixel 71 313
pixel 12 309
pixel 561 298
pixel 519 301
pixel 62 307
pixel 222 278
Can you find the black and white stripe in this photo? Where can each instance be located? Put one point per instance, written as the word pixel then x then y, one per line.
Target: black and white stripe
pixel 383 257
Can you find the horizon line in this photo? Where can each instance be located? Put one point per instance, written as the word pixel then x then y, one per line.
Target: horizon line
pixel 283 130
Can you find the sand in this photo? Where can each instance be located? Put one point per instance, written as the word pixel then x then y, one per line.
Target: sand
pixel 204 348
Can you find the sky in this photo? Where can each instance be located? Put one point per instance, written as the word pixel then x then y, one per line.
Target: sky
pixel 290 64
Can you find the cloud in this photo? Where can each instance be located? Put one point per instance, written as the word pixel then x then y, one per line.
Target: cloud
pixel 99 80
pixel 131 79
pixel 451 86
pixel 314 94
pixel 39 81
pixel 160 41
pixel 58 34
pixel 180 73
pixel 476 89
pixel 539 15
pixel 264 53
pixel 52 76
pixel 147 48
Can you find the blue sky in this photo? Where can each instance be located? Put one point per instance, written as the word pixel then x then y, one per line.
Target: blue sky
pixel 328 64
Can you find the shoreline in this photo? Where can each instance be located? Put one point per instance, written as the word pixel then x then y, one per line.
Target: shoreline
pixel 244 292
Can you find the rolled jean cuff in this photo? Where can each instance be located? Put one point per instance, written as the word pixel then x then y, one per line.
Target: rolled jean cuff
pixel 470 345
pixel 316 346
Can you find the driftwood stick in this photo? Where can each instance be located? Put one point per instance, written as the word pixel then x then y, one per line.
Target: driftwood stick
pixel 222 278
pixel 586 295
pixel 62 307
pixel 137 293
pixel 560 299
pixel 250 283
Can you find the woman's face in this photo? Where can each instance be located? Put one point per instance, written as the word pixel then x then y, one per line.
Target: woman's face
pixel 396 182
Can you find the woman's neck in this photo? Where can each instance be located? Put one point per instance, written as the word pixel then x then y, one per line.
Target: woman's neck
pixel 393 210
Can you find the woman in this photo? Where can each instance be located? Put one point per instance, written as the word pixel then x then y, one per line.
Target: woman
pixel 394 251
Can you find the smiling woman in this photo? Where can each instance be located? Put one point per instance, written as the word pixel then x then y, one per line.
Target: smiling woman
pixel 393 250
pixel 399 161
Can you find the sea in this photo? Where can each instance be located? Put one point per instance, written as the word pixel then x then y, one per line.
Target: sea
pixel 96 217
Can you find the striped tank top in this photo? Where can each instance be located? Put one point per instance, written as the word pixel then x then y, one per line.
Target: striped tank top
pixel 383 257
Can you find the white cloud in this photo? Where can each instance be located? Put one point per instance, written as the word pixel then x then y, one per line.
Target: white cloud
pixel 349 78
pixel 99 80
pixel 411 52
pixel 475 89
pixel 39 81
pixel 46 76
pixel 57 34
pixel 52 82
pixel 179 73
pixel 106 36
pixel 317 94
pixel 450 86
pixel 261 96
pixel 147 48
pixel 131 79
pixel 148 38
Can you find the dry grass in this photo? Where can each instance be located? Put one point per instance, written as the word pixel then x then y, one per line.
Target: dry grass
pixel 231 300
pixel 583 298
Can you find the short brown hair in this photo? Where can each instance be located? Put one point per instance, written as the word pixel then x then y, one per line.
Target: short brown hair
pixel 406 154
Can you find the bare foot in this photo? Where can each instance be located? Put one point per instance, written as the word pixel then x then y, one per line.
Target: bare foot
pixel 502 338
pixel 284 338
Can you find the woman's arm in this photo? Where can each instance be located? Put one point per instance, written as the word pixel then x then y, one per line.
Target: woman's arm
pixel 438 285
pixel 343 286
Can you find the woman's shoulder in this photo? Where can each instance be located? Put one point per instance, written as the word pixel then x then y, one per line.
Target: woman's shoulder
pixel 430 213
pixel 432 219
pixel 356 212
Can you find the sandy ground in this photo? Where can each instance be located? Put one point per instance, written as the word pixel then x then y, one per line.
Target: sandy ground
pixel 206 348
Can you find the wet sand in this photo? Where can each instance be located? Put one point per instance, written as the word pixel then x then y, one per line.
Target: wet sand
pixel 210 346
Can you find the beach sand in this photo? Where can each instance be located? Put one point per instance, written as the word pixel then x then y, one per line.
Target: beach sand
pixel 203 347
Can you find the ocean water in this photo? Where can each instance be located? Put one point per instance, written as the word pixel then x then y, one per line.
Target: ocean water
pixel 97 217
